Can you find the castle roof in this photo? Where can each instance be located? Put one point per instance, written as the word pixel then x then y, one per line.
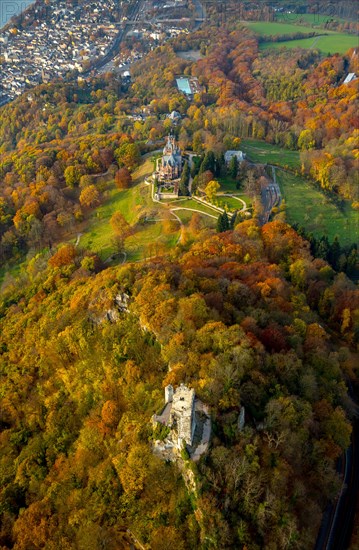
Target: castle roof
pixel 172 161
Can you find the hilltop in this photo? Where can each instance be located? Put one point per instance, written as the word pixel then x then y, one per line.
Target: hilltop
pixel 233 316
pixel 153 236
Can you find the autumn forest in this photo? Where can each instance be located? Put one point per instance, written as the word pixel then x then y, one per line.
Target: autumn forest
pixel 249 314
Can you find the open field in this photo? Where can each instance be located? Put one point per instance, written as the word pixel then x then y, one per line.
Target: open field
pixel 308 207
pixel 265 28
pixel 98 236
pixel 246 198
pixel 333 42
pixel 228 184
pixel 338 43
pixel 266 153
pixel 309 19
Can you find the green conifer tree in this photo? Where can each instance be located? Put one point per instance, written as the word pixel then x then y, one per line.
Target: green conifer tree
pixel 185 177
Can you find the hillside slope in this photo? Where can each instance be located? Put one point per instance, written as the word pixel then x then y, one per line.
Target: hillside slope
pixel 233 316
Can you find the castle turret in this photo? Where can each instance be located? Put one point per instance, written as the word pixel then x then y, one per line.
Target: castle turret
pixel 168 394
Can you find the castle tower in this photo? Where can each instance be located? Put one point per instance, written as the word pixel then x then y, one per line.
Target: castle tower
pixel 168 394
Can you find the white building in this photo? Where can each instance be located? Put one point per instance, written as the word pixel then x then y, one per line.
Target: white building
pixel 228 155
pixel 350 77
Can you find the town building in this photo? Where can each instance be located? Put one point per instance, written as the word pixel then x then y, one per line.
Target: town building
pixel 72 38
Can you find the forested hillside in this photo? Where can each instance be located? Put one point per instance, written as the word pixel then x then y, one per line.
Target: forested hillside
pixel 259 316
pixel 237 316
pixel 54 139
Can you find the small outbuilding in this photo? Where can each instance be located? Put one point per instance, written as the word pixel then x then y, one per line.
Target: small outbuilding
pixel 228 155
pixel 350 78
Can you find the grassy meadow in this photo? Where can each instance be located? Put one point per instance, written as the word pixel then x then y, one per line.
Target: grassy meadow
pixel 191 203
pixel 131 202
pixel 262 152
pixel 265 28
pixel 309 207
pixel 186 215
pixel 228 185
pixel 328 43
pixel 338 43
pixel 309 19
pixel 229 203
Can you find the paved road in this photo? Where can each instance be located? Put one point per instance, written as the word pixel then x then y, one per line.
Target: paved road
pixel 200 12
pixel 270 196
pixel 338 518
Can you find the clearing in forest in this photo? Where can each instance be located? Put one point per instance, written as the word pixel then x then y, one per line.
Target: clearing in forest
pixel 310 208
pixel 329 42
pixel 266 153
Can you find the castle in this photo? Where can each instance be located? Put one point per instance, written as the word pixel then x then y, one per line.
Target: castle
pixel 171 163
pixel 188 421
pixel 182 417
pixel 179 414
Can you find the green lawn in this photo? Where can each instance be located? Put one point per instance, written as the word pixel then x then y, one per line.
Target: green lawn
pixel 266 28
pixel 307 206
pixel 149 240
pixel 334 42
pixel 146 169
pixel 191 203
pixel 230 202
pixel 186 215
pixel 262 152
pixel 227 184
pixel 130 202
pixel 246 198
pixel 338 43
pixel 98 235
pixel 309 19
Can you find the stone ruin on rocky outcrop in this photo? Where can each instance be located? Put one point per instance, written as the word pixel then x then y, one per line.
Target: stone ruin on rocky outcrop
pixel 188 421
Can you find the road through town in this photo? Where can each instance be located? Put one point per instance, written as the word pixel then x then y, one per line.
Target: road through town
pixel 135 10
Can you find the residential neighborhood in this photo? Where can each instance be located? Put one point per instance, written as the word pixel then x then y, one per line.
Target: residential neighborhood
pixel 64 39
